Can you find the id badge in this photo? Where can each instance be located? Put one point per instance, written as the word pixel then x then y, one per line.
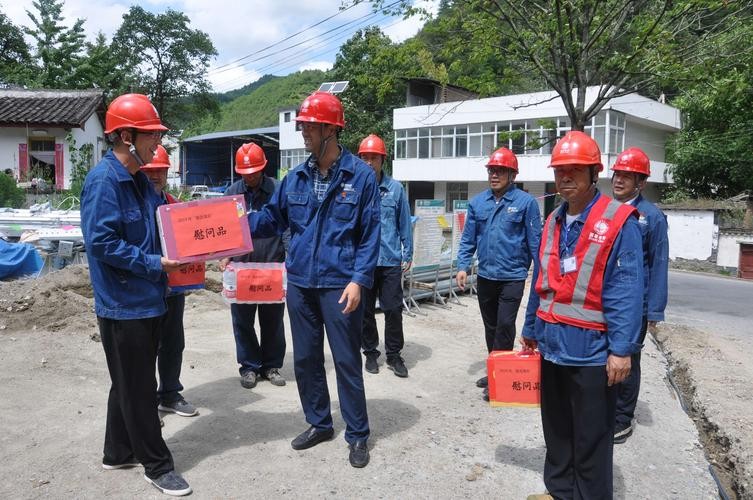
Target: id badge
pixel 569 265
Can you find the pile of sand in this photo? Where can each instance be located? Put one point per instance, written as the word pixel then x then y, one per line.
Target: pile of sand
pixel 59 301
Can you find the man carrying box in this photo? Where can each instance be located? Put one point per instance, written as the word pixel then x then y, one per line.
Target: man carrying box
pixel 262 357
pixel 127 271
pixel 173 340
pixel 584 319
pixel 331 205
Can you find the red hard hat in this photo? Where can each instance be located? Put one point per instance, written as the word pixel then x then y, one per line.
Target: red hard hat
pixel 322 107
pixel 576 148
pixel 159 161
pixel 372 144
pixel 503 157
pixel 632 160
pixel 132 111
pixel 249 159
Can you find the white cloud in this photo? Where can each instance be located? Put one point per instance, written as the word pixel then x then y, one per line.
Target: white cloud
pixel 401 30
pixel 241 29
pixel 322 65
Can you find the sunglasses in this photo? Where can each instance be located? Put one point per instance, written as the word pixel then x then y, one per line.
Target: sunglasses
pixel 498 171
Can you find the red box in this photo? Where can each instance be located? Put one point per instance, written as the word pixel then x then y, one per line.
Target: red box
pixel 514 378
pixel 201 230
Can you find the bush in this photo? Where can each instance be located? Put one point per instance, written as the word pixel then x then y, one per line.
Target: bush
pixel 10 194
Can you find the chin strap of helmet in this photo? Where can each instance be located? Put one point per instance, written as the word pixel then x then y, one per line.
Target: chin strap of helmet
pixel 323 142
pixel 132 149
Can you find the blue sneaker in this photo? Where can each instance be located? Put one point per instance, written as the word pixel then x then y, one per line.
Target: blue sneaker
pixel 170 483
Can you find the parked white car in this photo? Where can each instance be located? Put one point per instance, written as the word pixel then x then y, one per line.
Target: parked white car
pixel 202 191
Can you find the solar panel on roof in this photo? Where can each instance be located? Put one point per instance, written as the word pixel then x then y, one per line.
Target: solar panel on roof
pixel 333 87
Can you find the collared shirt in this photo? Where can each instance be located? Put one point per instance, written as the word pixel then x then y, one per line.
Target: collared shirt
pixel 504 233
pixel 334 241
pixel 397 233
pixel 622 298
pixel 118 213
pixel 322 182
pixel 653 225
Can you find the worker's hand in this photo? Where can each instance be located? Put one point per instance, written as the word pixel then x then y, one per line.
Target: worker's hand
pixel 528 344
pixel 618 368
pixel 224 262
pixel 170 265
pixel 406 266
pixel 462 278
pixel 352 296
pixel 653 327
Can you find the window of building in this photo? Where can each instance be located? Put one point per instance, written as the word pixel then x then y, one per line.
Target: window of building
pixel 423 143
pixel 290 158
pixel 518 138
pixel 461 142
pixel 616 131
pixel 456 191
pixel 286 117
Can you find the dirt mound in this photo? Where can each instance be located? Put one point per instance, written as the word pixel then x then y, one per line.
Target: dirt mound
pixel 59 301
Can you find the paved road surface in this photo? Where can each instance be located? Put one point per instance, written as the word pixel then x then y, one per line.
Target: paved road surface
pixel 712 304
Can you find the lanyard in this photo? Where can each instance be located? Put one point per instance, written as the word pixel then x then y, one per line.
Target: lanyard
pixel 565 229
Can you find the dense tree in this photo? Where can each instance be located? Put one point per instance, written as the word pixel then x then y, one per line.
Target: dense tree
pixel 100 68
pixel 59 49
pixel 711 155
pixel 619 46
pixel 168 60
pixel 16 66
pixel 377 69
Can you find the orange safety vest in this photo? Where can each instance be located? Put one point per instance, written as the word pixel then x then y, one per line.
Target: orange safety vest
pixel 575 298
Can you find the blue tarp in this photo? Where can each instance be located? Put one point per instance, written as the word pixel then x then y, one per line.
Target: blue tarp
pixel 18 259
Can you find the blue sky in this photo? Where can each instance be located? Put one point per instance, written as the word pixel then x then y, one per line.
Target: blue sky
pixel 239 28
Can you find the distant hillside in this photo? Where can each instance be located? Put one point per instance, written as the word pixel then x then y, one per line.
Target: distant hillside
pixel 260 107
pixel 247 89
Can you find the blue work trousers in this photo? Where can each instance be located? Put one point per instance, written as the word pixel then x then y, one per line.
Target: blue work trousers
pixel 170 352
pixel 627 391
pixel 388 286
pixel 312 310
pixel 258 355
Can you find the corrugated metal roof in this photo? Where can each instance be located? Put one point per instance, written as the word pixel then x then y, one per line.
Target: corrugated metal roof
pixel 233 133
pixel 51 108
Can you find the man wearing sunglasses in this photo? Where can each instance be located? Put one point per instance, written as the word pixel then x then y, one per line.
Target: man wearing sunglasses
pixel 503 228
pixel 127 270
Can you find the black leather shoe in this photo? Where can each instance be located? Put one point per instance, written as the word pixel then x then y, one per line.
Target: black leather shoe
pixel 397 365
pixel 359 454
pixel 311 437
pixel 482 382
pixel 485 395
pixel 371 364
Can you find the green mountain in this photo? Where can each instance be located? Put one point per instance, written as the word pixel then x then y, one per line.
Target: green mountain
pixel 261 105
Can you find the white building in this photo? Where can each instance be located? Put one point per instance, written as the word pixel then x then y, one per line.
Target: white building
pixel 440 149
pixel 33 129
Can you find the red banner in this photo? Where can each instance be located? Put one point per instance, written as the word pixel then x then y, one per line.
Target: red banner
pixel 205 229
pixel 259 285
pixel 59 170
pixel 190 275
pixel 23 162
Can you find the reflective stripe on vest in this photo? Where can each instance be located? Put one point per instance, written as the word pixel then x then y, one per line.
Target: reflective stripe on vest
pixel 576 299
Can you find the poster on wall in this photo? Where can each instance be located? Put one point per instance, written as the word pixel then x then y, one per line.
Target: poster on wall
pixel 427 233
pixel 459 213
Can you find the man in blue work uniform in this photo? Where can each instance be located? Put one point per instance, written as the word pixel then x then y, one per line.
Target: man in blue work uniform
pixel 261 357
pixel 172 340
pixel 395 257
pixel 630 171
pixel 589 289
pixel 330 203
pixel 503 227
pixel 127 271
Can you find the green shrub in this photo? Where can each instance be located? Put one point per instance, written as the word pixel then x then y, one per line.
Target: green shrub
pixel 10 194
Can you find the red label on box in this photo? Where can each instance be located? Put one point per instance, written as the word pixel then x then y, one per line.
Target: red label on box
pixel 191 274
pixel 259 285
pixel 205 229
pixel 514 378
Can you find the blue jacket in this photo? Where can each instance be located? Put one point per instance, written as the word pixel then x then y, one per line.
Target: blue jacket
pixel 653 226
pixel 118 220
pixel 397 234
pixel 333 242
pixel 622 299
pixel 505 235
